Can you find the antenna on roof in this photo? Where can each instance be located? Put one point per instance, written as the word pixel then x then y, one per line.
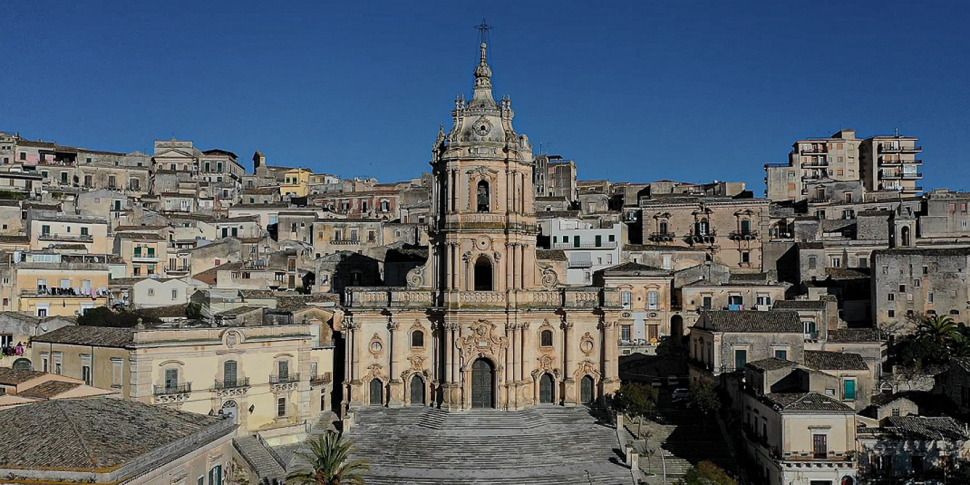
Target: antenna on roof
pixel 897 132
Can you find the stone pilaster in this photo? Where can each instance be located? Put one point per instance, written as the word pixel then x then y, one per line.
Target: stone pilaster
pixel 396 397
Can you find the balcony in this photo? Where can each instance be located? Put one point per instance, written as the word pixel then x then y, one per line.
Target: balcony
pixel 810 151
pixel 47 236
pixel 287 382
pixel 321 379
pixel 232 384
pixel 912 175
pixel 887 148
pixel 580 263
pixel 149 258
pixel 743 235
pixel 885 162
pixel 58 292
pixel 815 164
pixel 662 236
pixel 569 245
pixel 172 393
pixel 706 238
pixel 345 242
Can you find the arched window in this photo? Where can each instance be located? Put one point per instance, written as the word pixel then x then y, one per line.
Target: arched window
pixel 545 338
pixel 483 274
pixel 483 196
pixel 417 338
pixel 904 232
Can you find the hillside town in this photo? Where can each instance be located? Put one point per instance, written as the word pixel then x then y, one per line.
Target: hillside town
pixel 228 311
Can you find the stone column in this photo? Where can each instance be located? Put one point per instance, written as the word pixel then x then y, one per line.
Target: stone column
pixel 353 369
pixel 568 353
pixel 394 366
pixel 610 344
pixel 521 263
pixel 512 360
pixel 458 383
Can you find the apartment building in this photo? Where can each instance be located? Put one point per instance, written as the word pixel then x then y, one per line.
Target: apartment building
pixel 890 163
pixel 835 158
pixel 48 283
pixel 645 296
pixel 46 228
pixel 589 248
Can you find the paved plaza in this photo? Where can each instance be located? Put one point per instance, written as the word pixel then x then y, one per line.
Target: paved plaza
pixel 543 445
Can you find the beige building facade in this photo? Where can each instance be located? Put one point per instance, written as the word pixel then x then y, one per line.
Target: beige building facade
pixel 269 377
pixel 484 323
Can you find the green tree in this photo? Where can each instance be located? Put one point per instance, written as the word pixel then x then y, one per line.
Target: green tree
pixel 704 397
pixel 637 401
pixel 939 329
pixel 707 473
pixel 329 463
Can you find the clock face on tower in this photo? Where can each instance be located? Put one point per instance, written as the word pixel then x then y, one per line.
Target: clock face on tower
pixel 482 126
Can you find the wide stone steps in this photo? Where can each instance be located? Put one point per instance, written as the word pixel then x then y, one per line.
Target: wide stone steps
pixel 544 445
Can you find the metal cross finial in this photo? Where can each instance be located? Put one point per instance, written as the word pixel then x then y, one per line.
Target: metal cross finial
pixel 483 29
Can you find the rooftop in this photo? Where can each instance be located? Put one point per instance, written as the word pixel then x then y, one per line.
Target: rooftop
pixel 928 428
pixel 823 360
pixel 806 402
pixel 85 335
pixel 82 434
pixel 747 321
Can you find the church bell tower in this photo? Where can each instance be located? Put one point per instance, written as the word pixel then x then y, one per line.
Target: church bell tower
pixel 484 225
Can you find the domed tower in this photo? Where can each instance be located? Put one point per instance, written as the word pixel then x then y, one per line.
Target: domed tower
pixel 484 227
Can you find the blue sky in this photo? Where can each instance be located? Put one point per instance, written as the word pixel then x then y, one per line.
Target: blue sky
pixel 635 91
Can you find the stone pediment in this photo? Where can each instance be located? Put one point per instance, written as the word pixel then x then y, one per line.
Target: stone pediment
pixel 483 342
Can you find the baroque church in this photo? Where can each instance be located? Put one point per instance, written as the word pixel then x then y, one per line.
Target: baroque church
pixel 486 322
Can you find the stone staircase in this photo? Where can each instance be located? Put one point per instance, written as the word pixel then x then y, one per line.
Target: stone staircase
pixel 544 445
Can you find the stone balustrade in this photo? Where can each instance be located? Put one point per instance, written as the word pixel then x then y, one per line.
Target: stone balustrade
pixel 401 297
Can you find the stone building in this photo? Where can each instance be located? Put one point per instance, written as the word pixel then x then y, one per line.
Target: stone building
pixel 485 322
pixel 262 375
pixel 907 283
pixel 729 229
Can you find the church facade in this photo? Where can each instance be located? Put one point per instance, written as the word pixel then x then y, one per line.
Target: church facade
pixel 486 321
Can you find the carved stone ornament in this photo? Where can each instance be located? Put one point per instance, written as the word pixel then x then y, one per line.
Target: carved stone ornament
pixel 587 344
pixel 466 257
pixel 376 345
pixel 415 277
pixel 546 363
pixel 549 278
pixel 586 367
pixel 497 255
pixel 232 338
pixel 482 341
pixel 482 243
pixel 376 371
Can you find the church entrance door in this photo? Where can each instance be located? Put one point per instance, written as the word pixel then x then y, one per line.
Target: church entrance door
pixel 483 375
pixel 417 391
pixel 545 389
pixel 376 392
pixel 586 390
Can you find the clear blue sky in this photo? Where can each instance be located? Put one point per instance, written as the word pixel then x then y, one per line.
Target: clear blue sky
pixel 634 91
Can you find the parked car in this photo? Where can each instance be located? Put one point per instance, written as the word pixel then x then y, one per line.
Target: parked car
pixel 672 381
pixel 657 383
pixel 680 393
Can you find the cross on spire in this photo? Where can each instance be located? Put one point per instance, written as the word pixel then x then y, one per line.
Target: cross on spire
pixel 483 29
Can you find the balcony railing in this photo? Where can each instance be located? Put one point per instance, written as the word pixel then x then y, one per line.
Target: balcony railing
pixel 706 238
pixel 815 163
pixel 569 245
pixel 809 151
pixel 232 383
pixel 278 379
pixel 899 149
pixel 319 379
pixel 345 242
pixel 662 236
pixel 182 388
pixel 48 236
pixel 580 263
pixel 743 235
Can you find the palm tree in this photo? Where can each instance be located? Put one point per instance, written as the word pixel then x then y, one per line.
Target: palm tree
pixel 941 329
pixel 329 463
